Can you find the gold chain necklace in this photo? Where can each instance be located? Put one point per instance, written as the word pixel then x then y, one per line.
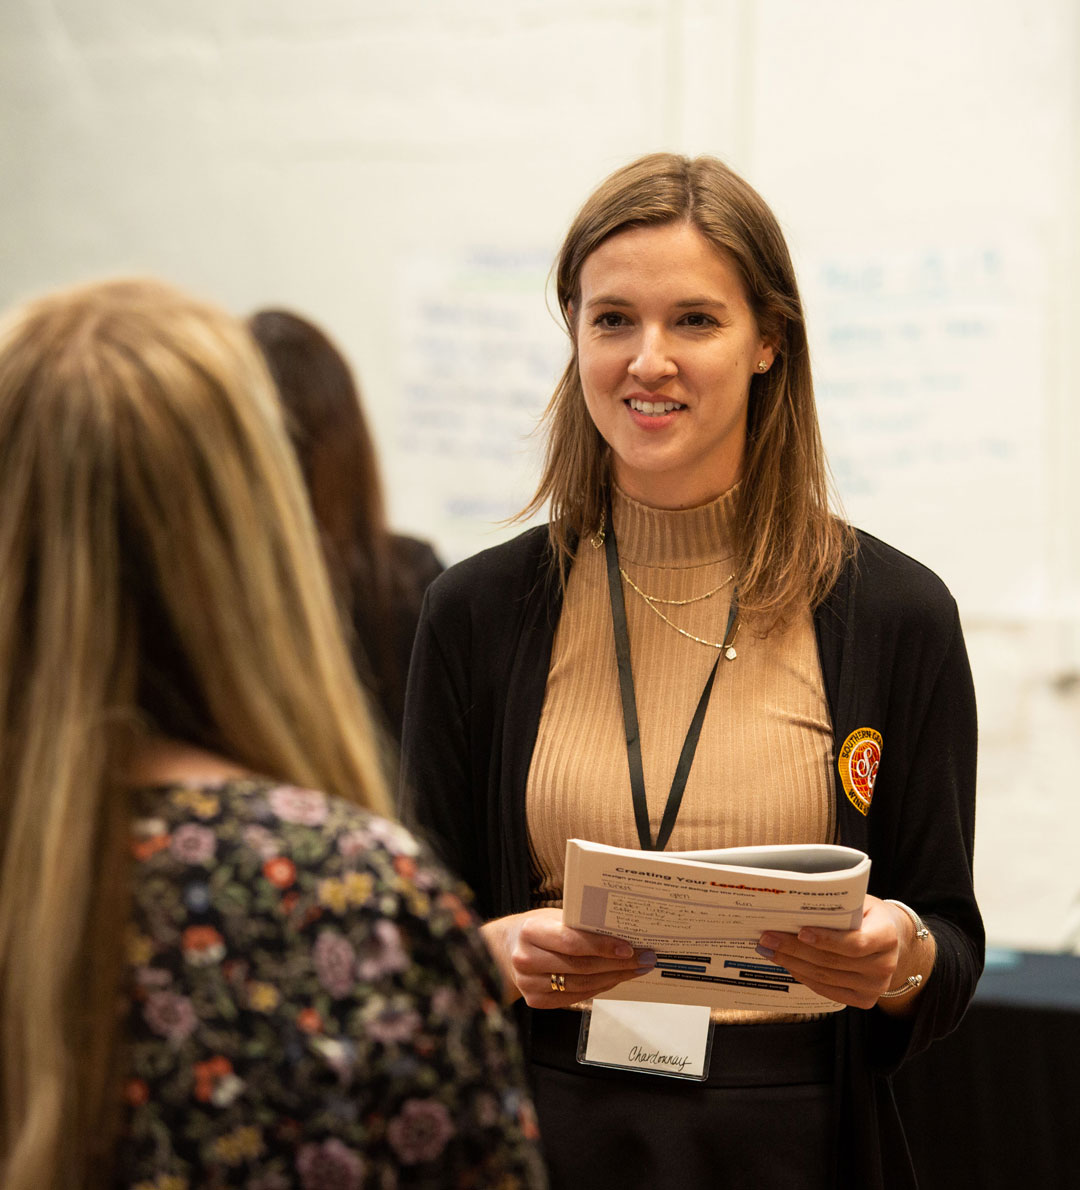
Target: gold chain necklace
pixel 651 599
pixel 727 645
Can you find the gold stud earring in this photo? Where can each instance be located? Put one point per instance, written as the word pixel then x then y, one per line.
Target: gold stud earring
pixel 762 366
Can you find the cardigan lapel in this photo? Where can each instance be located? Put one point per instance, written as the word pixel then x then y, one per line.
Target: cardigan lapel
pixel 520 723
pixel 838 651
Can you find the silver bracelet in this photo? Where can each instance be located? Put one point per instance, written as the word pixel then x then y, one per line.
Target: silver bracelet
pixel 909 985
pixel 922 933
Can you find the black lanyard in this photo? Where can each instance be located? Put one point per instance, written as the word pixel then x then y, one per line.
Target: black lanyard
pixel 629 706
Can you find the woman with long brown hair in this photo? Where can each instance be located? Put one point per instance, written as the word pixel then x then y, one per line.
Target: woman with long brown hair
pixel 218 964
pixel 379 577
pixel 693 573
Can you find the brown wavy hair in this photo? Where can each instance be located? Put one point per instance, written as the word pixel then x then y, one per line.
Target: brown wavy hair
pixel 159 571
pixel 790 544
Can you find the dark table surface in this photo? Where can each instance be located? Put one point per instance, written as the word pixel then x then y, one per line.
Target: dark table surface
pixel 997 1103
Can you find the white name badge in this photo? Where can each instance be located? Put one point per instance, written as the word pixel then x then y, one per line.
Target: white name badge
pixel 670 1039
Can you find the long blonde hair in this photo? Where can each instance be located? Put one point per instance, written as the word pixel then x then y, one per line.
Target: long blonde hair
pixel 791 545
pixel 158 565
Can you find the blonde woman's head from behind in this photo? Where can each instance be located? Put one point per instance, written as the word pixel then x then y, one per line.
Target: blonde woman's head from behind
pixel 159 572
pixel 160 407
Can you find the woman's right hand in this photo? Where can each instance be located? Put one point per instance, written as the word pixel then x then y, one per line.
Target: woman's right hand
pixel 531 947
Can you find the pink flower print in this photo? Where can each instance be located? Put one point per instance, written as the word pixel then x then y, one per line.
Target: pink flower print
pixel 265 844
pixel 444 1003
pixel 335 963
pixel 304 807
pixel 170 1015
pixel 354 842
pixel 382 952
pixel 152 977
pixel 426 878
pixel 329 1166
pixel 421 1131
pixel 193 843
pixel 395 1025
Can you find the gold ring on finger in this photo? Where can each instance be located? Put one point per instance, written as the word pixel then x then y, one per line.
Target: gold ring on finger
pixel 558 982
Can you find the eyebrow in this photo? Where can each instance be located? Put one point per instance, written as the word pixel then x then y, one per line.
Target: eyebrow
pixel 716 303
pixel 685 304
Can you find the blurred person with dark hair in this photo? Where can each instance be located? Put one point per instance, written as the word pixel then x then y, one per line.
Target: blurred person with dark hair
pixel 379 577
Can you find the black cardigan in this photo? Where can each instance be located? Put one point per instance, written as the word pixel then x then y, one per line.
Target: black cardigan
pixel 893 659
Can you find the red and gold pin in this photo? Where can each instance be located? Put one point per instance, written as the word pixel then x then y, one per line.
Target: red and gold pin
pixel 858 763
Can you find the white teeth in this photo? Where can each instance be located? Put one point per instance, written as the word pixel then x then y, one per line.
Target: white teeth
pixel 653 407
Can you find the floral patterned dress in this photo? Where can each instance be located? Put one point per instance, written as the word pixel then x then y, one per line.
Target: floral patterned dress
pixel 312 1006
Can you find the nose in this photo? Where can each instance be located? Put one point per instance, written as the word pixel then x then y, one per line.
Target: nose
pixel 653 362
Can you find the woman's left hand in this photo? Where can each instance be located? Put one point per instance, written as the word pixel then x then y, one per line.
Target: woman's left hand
pixel 852 967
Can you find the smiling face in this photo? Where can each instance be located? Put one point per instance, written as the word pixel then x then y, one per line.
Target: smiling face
pixel 667 346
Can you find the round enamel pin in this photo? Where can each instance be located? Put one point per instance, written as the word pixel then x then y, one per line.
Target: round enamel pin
pixel 858 763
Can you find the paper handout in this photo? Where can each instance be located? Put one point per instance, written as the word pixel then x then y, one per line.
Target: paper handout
pixel 703 912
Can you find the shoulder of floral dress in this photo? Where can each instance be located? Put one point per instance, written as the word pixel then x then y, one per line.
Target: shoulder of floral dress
pixel 287 829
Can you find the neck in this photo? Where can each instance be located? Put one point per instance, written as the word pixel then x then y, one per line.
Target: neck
pixel 161 761
pixel 673 493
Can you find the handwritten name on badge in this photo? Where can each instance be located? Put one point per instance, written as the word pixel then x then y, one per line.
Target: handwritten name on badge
pixel 677 1062
pixel 653 1038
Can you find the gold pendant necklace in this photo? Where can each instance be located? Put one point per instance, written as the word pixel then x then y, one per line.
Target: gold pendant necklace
pixel 727 646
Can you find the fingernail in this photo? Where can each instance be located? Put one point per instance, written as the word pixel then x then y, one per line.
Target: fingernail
pixel 764 951
pixel 647 958
pixel 808 936
pixel 624 950
pixel 768 940
pixel 644 970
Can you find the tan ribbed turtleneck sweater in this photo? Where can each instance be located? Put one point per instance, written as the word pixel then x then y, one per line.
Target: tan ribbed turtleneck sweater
pixel 762 773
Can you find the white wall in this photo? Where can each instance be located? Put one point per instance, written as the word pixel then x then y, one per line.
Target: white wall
pixel 403 174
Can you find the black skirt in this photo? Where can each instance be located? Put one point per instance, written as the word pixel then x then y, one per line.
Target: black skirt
pixel 764 1118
